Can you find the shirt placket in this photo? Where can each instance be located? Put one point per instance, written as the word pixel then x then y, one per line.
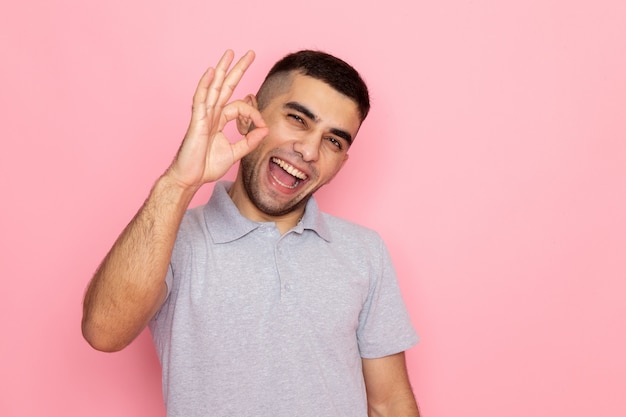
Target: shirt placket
pixel 283 254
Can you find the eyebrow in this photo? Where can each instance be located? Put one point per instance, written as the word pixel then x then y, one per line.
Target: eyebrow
pixel 293 105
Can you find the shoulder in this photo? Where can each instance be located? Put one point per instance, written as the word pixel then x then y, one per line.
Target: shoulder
pixel 193 220
pixel 341 224
pixel 192 230
pixel 346 232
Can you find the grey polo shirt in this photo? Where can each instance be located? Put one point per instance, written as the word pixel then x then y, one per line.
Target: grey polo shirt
pixel 259 324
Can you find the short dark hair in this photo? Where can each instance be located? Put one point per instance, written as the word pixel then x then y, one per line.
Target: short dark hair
pixel 322 66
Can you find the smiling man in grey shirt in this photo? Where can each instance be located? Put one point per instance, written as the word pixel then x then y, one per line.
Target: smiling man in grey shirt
pixel 260 304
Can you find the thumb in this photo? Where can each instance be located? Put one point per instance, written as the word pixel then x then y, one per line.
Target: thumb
pixel 249 142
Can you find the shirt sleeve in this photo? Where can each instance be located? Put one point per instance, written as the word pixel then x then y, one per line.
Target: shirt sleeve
pixel 384 327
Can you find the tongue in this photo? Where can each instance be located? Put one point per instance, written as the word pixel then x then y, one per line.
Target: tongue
pixel 282 176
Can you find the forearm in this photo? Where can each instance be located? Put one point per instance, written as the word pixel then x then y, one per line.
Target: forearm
pixel 389 392
pixel 403 406
pixel 129 286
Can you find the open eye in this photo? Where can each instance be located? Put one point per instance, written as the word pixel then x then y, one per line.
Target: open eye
pixel 336 142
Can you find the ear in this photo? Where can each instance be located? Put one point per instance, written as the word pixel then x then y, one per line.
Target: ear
pixel 244 124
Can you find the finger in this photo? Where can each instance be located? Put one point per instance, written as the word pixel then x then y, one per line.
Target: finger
pixel 199 98
pixel 237 109
pixel 234 76
pixel 247 144
pixel 240 109
pixel 221 71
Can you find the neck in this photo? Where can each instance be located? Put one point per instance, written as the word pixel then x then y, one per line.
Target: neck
pixel 249 210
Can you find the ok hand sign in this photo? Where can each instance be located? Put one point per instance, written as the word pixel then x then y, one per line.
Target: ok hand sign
pixel 206 154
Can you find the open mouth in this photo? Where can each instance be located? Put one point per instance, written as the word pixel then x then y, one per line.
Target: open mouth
pixel 286 174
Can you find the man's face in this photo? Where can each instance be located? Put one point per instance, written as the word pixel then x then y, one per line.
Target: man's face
pixel 311 126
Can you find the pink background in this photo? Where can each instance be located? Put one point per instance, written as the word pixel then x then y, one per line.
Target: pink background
pixel 493 164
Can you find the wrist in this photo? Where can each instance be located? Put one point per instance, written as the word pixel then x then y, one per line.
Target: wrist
pixel 170 189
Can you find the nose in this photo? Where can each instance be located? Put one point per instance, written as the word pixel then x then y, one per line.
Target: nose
pixel 308 146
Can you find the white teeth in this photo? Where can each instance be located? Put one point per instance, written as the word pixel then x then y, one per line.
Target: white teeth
pixel 290 169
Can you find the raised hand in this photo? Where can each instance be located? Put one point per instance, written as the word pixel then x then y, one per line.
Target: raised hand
pixel 206 154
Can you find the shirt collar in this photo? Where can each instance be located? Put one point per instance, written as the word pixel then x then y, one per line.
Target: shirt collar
pixel 226 224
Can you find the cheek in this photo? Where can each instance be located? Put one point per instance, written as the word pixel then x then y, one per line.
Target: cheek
pixel 277 134
pixel 333 164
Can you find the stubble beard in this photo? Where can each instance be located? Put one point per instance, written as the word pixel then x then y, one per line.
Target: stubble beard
pixel 263 201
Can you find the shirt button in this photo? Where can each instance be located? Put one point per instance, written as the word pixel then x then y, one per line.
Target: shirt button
pixel 287 287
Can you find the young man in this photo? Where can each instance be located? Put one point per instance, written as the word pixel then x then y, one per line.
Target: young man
pixel 258 303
